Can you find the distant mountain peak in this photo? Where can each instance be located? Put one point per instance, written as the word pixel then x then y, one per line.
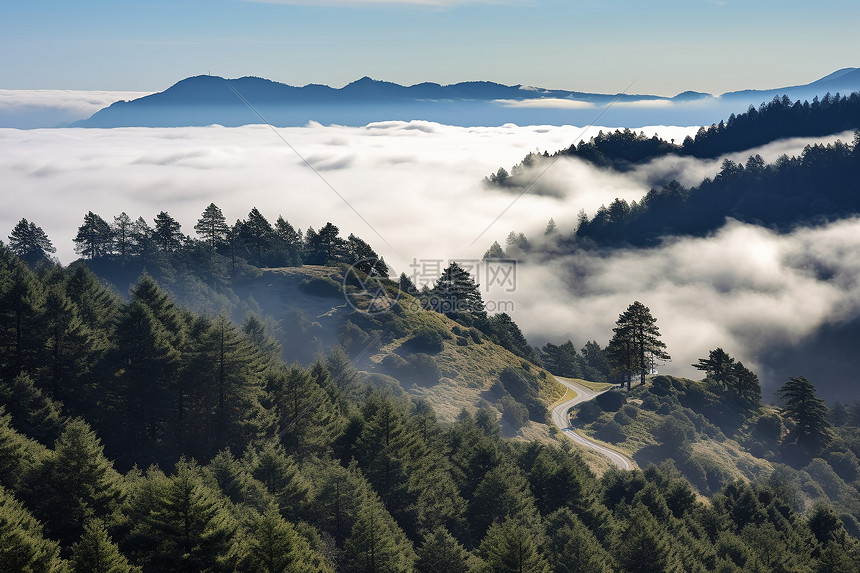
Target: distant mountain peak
pixel 207 99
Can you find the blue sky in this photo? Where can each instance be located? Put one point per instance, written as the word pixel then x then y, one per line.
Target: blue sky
pixel 666 46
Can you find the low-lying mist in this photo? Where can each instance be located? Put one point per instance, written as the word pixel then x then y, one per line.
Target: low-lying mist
pixel 419 186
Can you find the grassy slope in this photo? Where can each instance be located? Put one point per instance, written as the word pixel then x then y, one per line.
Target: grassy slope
pixel 467 371
pixel 715 455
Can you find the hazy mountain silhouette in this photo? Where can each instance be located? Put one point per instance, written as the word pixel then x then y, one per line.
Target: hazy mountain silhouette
pixel 206 100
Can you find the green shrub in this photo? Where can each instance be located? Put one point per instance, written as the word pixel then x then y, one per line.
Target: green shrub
pixel 425 339
pixel 768 426
pixel 514 413
pixel 611 401
pixel 588 412
pixel 462 341
pixel 321 286
pixel 610 431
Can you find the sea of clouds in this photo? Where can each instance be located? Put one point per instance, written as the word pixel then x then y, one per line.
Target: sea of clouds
pixel 414 191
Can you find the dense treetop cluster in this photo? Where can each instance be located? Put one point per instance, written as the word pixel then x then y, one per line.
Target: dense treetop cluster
pixel 138 436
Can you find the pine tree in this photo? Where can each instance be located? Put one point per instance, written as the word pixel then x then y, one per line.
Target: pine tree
pixel 636 343
pixel 30 242
pixel 307 416
pixel 504 493
pixel 32 413
pixel 282 478
pixel 187 527
pixel 510 547
pixel 13 453
pixel 376 544
pixel 643 547
pixel 77 482
pixel 290 242
pixel 122 231
pixel 95 552
pixel 148 362
pixel 275 547
pixel 257 236
pixel 142 239
pixel 68 345
pixel 572 547
pixel 456 293
pixel 232 367
pixel 212 226
pixel 259 334
pixel 21 313
pixel 22 545
pixel 494 252
pixel 808 412
pixel 94 237
pixel 441 552
pixel 167 234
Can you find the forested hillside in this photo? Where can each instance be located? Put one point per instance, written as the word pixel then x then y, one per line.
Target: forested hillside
pixel 780 118
pixel 139 436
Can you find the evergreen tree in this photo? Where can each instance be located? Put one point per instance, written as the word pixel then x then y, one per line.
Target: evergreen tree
pixel 142 239
pixel 30 242
pixel 494 252
pixel 94 237
pixel 572 547
pixel 22 545
pixel 510 547
pixel 167 234
pixel 32 413
pixel 228 374
pixel 307 416
pixel 643 547
pixel 636 343
pixel 290 242
pixel 808 412
pixel 259 334
pixel 734 376
pixel 149 363
pixel 456 293
pixel 185 526
pixel 325 246
pixel 21 312
pixel 257 237
pixel 122 231
pixel 276 547
pixel 16 454
pixel 504 493
pixel 68 344
pixel 718 366
pixel 76 483
pixel 281 477
pixel 212 226
pixel 96 553
pixel 376 544
pixel 441 552
pixel 364 258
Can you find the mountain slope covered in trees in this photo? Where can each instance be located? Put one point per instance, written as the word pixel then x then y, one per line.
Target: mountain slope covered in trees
pixel 143 436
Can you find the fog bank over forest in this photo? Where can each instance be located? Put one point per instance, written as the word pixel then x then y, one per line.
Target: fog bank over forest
pixel 419 185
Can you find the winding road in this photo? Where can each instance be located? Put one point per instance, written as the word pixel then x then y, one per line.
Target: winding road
pixel 560 419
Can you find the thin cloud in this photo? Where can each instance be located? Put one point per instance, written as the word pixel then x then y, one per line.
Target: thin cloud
pixel 358 3
pixel 547 103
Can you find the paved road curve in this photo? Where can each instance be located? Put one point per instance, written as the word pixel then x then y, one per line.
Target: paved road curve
pixel 560 419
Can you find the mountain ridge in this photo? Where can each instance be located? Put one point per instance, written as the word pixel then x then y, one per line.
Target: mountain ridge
pixel 206 100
